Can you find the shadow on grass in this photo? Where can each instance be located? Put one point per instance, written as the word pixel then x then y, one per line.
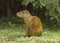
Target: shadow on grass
pixel 51 27
pixel 12 27
pixel 11 21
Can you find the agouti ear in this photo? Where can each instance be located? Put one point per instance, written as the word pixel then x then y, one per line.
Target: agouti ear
pixel 25 10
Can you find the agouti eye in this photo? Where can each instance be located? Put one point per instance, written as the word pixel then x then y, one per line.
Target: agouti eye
pixel 23 12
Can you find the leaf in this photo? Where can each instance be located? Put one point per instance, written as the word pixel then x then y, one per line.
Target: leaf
pixel 58 9
pixel 31 0
pixel 48 6
pixel 34 4
pixel 44 2
pixel 25 2
pixel 55 2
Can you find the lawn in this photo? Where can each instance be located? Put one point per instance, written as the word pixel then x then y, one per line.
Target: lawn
pixel 13 32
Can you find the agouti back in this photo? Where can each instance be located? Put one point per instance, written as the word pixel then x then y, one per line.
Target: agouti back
pixel 33 23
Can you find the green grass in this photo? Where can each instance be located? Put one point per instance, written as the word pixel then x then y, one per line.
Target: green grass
pixel 13 31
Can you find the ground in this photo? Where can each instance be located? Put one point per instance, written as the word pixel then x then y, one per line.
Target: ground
pixel 18 35
pixel 13 32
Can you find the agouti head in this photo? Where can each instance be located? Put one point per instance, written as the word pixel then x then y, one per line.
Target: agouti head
pixel 23 14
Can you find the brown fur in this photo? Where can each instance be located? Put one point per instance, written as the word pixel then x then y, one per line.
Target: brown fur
pixel 33 23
